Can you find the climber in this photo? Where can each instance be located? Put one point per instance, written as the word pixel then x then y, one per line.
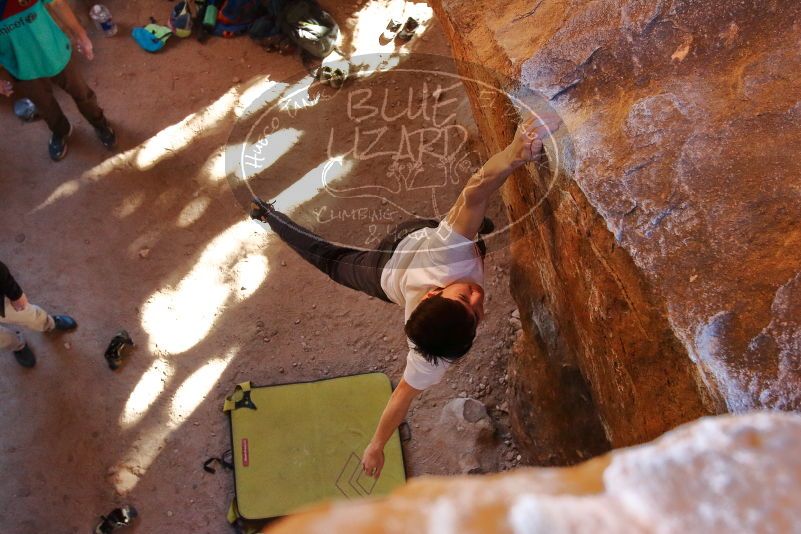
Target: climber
pixel 434 270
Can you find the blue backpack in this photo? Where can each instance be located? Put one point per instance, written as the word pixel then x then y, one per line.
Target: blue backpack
pixel 234 17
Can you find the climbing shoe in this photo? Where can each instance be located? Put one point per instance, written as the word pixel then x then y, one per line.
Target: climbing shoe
pixel 393 27
pixel 25 357
pixel 260 209
pixel 409 29
pixel 64 323
pixel 114 352
pixel 118 518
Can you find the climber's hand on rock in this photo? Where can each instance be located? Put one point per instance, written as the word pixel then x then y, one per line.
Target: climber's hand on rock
pixel 527 144
pixel 373 460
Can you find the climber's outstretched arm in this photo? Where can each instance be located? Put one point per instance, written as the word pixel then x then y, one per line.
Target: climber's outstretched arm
pixel 470 208
pixel 394 413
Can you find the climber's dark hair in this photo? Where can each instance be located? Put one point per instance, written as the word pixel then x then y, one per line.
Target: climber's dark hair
pixel 441 328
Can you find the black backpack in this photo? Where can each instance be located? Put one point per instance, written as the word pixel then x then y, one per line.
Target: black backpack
pixel 309 27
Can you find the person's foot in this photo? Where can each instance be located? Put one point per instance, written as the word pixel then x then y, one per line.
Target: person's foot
pixel 25 357
pixel 107 136
pixel 64 323
pixel 260 209
pixel 58 145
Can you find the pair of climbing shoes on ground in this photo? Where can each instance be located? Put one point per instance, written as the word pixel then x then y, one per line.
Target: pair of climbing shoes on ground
pixel 402 30
pixel 333 76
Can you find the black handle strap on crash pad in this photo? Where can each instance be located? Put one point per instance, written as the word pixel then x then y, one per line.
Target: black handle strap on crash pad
pixel 225 464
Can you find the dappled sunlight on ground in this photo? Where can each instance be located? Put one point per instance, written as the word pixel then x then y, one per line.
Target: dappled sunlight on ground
pixel 310 185
pixel 368 52
pixel 231 268
pixel 170 141
pixel 146 391
pixel 129 205
pixel 265 151
pixel 193 211
pixel 187 397
pixel 261 93
pixel 195 388
pixel 180 135
pixel 214 169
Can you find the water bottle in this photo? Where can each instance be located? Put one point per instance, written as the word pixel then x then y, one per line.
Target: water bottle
pixel 102 17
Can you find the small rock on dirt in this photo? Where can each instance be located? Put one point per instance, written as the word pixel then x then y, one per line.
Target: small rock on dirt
pixel 472 449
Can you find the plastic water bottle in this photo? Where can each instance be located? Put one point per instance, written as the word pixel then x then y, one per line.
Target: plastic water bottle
pixel 102 17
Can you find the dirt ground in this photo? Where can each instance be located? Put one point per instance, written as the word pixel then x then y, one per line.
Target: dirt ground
pixel 151 239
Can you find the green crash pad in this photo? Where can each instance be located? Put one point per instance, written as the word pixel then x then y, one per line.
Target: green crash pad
pixel 297 444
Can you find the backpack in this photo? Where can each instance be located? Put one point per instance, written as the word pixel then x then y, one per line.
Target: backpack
pixel 269 23
pixel 181 19
pixel 309 27
pixel 234 17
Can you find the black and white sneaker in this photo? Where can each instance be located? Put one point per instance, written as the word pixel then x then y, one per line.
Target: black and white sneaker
pixel 58 146
pixel 118 518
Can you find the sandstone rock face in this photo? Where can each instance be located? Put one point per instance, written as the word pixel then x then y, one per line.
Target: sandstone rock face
pixel 658 254
pixel 719 474
pixel 463 438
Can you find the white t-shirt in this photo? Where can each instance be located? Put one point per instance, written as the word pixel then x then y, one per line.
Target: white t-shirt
pixel 424 260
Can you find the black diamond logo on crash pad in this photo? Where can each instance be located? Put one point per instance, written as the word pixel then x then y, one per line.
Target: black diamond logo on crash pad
pixel 352 482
